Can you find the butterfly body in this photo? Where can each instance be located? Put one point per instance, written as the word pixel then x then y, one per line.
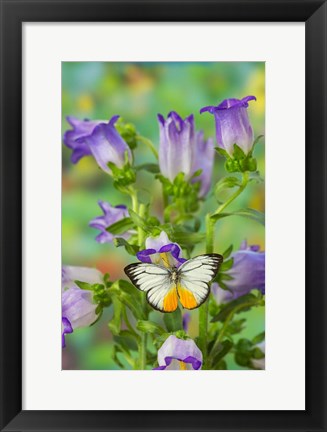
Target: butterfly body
pixel 164 286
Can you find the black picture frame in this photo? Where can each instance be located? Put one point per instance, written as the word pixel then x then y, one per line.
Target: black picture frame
pixel 16 12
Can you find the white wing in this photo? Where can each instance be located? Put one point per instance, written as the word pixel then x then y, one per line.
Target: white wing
pixel 194 277
pixel 156 282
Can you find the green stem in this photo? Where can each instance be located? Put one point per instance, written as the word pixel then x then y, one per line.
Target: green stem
pixel 210 233
pixel 143 340
pixel 135 204
pixel 204 309
pixel 149 144
pixel 227 321
pixel 245 180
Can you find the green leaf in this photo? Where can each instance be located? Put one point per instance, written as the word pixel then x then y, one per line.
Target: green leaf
pixel 173 320
pixel 150 167
pixel 255 142
pixel 130 249
pixel 83 285
pixel 227 252
pixel 185 238
pixel 115 358
pixel 150 327
pixel 222 152
pixel 248 213
pixel 236 326
pixel 138 221
pixel 121 226
pixel 239 305
pixel 238 153
pixel 219 352
pixel 99 312
pixel 259 338
pixel 130 296
pixel 126 340
pixel 257 353
pixel 226 265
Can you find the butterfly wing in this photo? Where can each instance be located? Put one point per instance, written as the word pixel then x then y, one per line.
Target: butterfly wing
pixel 194 278
pixel 156 281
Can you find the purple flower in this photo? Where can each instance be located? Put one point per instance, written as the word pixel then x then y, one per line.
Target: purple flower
pixel 77 307
pixel 69 274
pixel 176 145
pixel 66 328
pixel 232 124
pixel 110 216
pixel 260 363
pixel 203 159
pixel 247 273
pixel 100 140
pixel 186 321
pixel 160 250
pixel 179 354
pixel 74 139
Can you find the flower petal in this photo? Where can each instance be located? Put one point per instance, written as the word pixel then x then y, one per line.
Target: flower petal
pixel 182 350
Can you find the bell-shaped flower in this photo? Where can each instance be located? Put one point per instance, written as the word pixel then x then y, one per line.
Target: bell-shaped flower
pixel 74 139
pixel 179 354
pixel 110 216
pixel 66 328
pixel 203 158
pixel 233 124
pixel 77 306
pixel 69 274
pixel 176 145
pixel 160 250
pixel 247 273
pixel 103 142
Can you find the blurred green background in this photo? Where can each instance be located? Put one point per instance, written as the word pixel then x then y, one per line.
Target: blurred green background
pixel 137 92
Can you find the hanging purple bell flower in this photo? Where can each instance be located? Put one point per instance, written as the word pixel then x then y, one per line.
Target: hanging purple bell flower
pixel 110 216
pixel 176 145
pixel 247 273
pixel 99 139
pixel 233 124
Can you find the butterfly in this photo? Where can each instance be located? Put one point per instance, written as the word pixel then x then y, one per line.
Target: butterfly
pixel 165 285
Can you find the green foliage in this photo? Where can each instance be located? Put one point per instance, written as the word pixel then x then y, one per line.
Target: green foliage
pixel 128 132
pixel 130 249
pixel 253 214
pixel 120 226
pixel 129 296
pixel 239 162
pixel 224 185
pixel 123 177
pixel 183 196
pixel 173 321
pixel 150 167
pixel 150 327
pixel 218 352
pixel 246 351
pixel 241 304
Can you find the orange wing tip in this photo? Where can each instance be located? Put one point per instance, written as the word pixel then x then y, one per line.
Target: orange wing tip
pixel 170 301
pixel 187 298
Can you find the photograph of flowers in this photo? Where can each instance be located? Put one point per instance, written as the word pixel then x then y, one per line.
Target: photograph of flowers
pixel 163 199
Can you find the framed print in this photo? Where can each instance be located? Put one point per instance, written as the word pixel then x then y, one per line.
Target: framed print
pixel 163 215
